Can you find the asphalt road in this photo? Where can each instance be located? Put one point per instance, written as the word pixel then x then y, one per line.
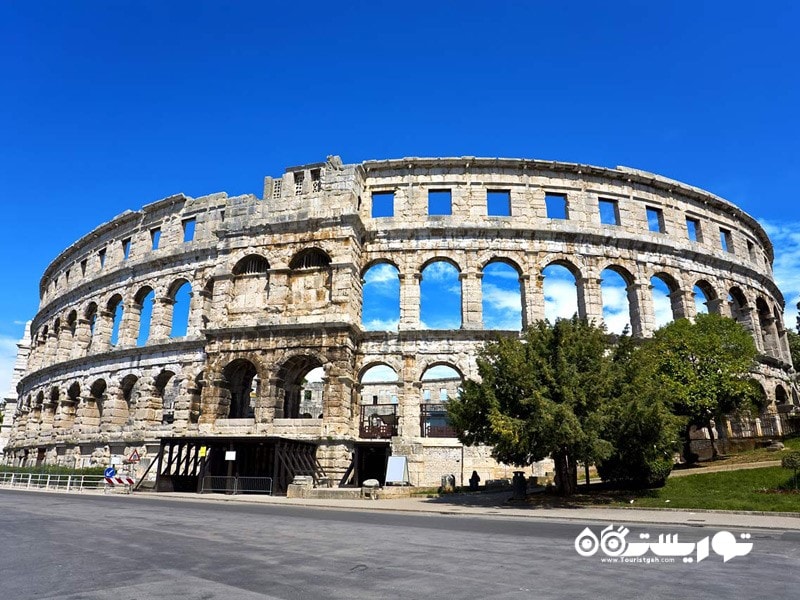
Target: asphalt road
pixel 124 548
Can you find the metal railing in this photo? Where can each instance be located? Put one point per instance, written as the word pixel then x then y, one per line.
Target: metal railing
pixel 236 485
pixel 378 421
pixel 434 422
pixel 46 481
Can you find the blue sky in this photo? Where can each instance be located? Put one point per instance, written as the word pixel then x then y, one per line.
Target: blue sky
pixel 107 106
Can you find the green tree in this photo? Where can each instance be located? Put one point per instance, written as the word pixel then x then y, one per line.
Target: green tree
pixel 639 426
pixel 792 461
pixel 540 396
pixel 794 347
pixel 700 370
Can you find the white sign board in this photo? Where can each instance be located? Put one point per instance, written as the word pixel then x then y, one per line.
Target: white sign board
pixel 230 455
pixel 397 471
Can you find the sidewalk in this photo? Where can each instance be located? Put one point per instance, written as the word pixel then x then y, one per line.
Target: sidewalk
pixel 494 506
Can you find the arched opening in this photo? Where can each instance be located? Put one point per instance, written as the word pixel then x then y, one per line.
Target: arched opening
pixel 781 397
pixel 666 304
pixel 617 310
pixel 250 288
pixel 70 408
pixel 740 310
pixel 440 296
pixel 130 396
pixel 181 296
pixel 310 279
pixel 91 322
pixel 301 383
pixel 439 383
pixel 241 380
pixel 766 323
pixel 95 403
pixel 167 388
pixel 501 291
pixel 115 309
pixel 143 305
pixel 705 298
pixel 560 287
pixel 378 405
pixel 381 298
pixel 72 328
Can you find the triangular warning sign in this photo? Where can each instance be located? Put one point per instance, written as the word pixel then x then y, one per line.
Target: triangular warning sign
pixel 134 457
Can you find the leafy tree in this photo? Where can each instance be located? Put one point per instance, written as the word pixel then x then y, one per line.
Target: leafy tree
pixel 541 396
pixel 792 461
pixel 700 370
pixel 639 426
pixel 794 347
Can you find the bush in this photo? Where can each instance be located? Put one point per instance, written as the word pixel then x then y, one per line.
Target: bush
pixel 53 470
pixel 792 461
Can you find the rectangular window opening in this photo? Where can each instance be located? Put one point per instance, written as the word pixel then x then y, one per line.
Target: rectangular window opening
pixel 84 264
pixel 556 206
pixel 277 187
pixel 188 229
pixel 315 180
pixel 751 251
pixel 102 256
pixel 725 240
pixel 66 277
pixel 498 203
pixel 693 229
pixel 126 248
pixel 155 237
pixel 655 219
pixel 609 211
pixel 440 202
pixel 298 183
pixel 382 204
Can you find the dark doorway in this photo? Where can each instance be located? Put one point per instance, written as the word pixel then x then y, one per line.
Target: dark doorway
pixel 239 376
pixel 371 462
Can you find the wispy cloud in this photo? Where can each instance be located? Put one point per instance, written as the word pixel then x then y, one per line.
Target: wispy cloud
pixel 502 308
pixel 379 373
pixel 786 268
pixel 560 297
pixel 382 324
pixel 662 306
pixel 440 271
pixel 616 310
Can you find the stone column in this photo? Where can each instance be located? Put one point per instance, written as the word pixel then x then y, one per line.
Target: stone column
pixel 408 409
pixel 640 300
pixel 590 299
pixel 409 300
pixel 83 338
pixel 51 348
pixel 129 325
pixel 64 347
pixel 719 307
pixel 471 300
pixel 532 299
pixel 101 341
pixel 161 319
pixel 682 304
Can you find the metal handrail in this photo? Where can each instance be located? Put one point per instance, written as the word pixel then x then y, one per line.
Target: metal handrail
pixel 48 481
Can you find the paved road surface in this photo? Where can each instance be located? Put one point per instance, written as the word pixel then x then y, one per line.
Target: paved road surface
pixel 125 548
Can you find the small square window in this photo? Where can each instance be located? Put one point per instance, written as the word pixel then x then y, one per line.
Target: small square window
pixel 84 264
pixel 498 203
pixel 655 219
pixel 556 206
pixel 693 229
pixel 726 240
pixel 609 211
pixel 277 186
pixel 382 204
pixel 126 248
pixel 155 237
pixel 102 256
pixel 751 251
pixel 440 202
pixel 188 229
pixel 316 181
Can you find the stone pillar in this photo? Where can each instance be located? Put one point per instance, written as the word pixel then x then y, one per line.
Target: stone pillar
pixel 83 338
pixel 718 307
pixel 200 312
pixel 408 409
pixel 532 299
pixel 409 300
pixel 64 346
pixel 682 304
pixel 590 299
pixel 471 300
pixel 101 342
pixel 161 319
pixel 51 348
pixel 129 325
pixel 640 300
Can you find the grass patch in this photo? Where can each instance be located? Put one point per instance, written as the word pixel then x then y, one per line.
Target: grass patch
pixel 770 489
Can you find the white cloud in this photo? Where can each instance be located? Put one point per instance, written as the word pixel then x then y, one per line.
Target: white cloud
pixel 502 308
pixel 378 374
pixel 786 267
pixel 662 306
pixel 616 311
pixel 382 325
pixel 440 271
pixel 560 299
pixel 8 356
pixel 315 375
pixel 381 274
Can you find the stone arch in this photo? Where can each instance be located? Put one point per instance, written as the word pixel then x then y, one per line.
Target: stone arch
pixel 706 297
pixel 290 387
pixel 178 307
pixel 440 294
pixel 113 318
pixel 250 283
pixel 380 301
pixel 90 319
pixel 166 386
pixel 781 396
pixel 128 401
pixel 310 279
pixel 378 384
pixel 95 403
pixel 310 258
pixel 767 329
pixel 241 381
pixel 142 313
pixel 666 298
pixel 563 289
pixel 621 309
pixel 502 294
pixel 439 382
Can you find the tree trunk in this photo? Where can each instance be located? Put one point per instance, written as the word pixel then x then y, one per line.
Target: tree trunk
pixel 566 473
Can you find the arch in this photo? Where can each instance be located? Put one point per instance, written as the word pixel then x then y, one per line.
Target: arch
pixel 440 295
pixel 167 389
pixel 55 393
pixel 115 309
pixel 615 295
pixel 252 264
pixel 781 397
pixel 97 395
pixel 72 322
pixel 180 293
pixel 501 293
pixel 767 328
pixel 664 294
pixel 143 303
pixel 381 297
pixel 90 314
pixel 560 287
pixel 310 258
pixel 294 388
pixel 706 298
pixel 439 382
pixel 241 380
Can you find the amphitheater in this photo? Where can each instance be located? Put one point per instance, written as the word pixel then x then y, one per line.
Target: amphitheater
pixel 188 331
